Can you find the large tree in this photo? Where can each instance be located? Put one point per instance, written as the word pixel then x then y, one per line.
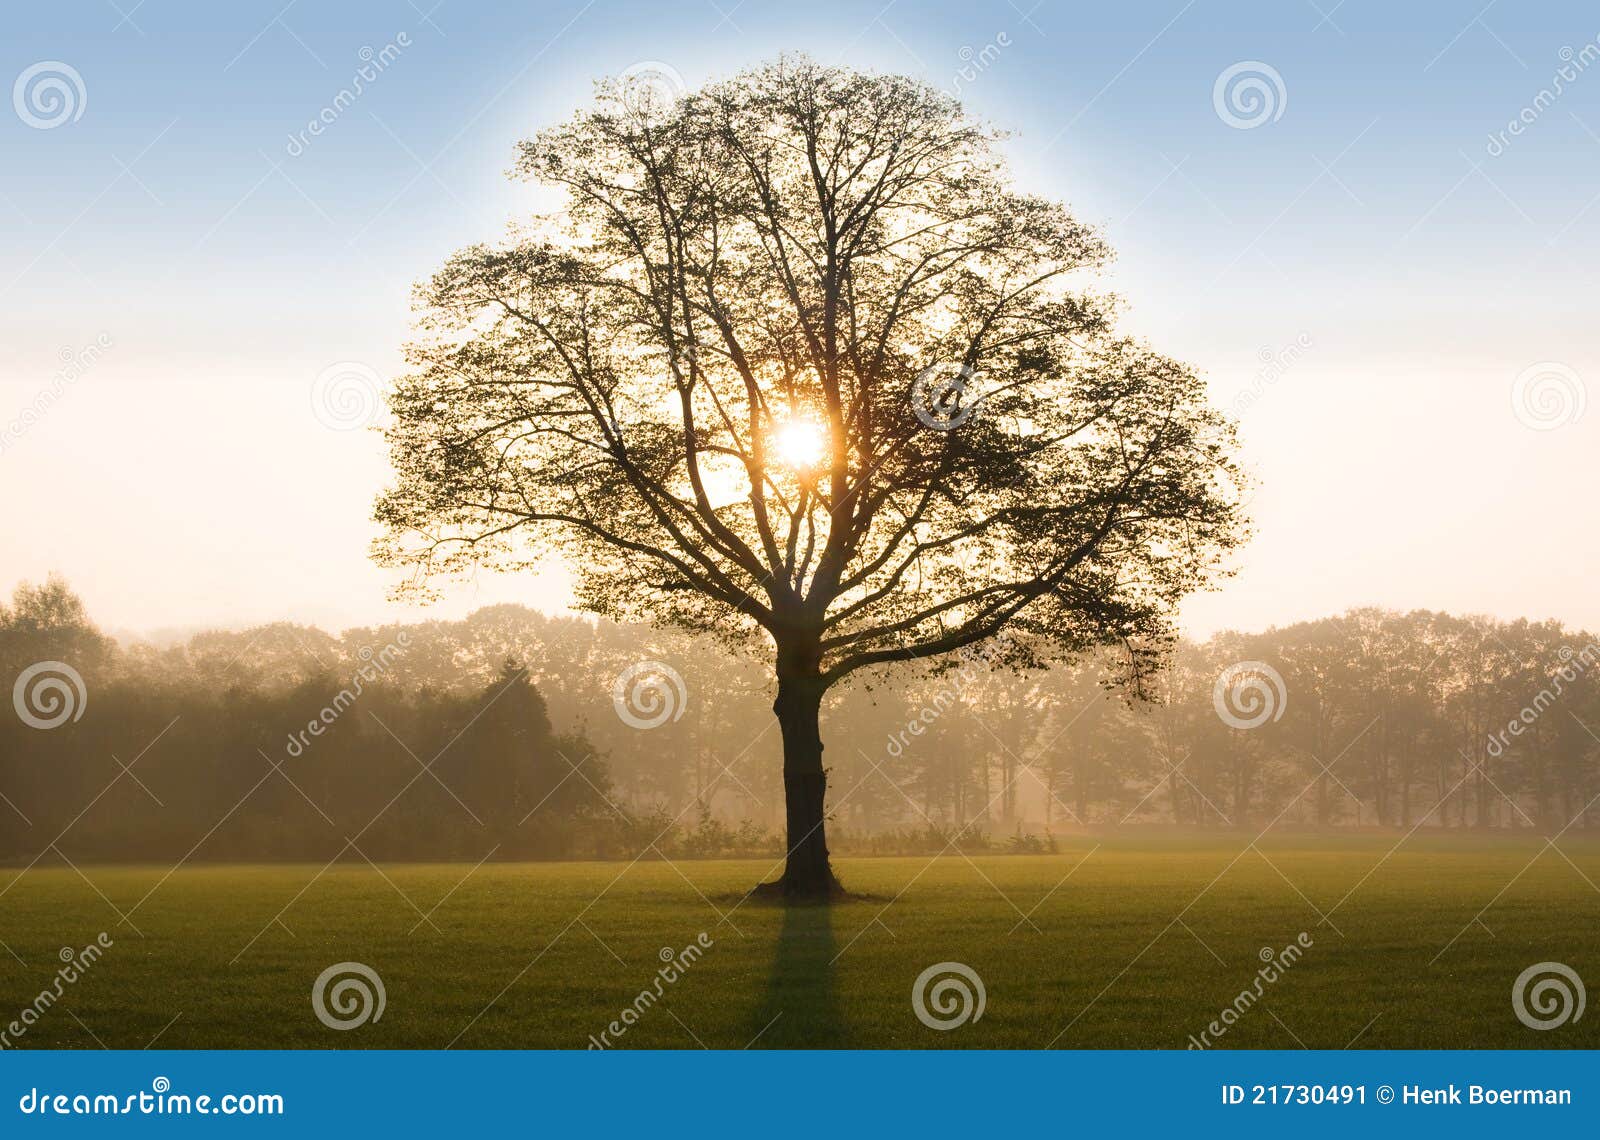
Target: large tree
pixel 794 362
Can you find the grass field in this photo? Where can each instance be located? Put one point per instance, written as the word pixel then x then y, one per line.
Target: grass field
pixel 1124 944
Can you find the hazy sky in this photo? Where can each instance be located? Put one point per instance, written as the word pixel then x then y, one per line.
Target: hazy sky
pixel 1362 274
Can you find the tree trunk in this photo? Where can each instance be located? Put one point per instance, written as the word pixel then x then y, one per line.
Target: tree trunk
pixel 807 875
pixel 1407 761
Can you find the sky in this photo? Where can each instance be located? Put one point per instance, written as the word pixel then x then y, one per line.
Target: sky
pixel 1321 206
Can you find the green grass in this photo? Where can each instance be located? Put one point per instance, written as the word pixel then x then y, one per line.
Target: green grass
pixel 525 955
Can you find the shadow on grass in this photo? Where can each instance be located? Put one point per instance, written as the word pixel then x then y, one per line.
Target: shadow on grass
pixel 801 1004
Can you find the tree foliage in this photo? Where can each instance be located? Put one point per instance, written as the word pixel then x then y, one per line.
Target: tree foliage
pixel 815 250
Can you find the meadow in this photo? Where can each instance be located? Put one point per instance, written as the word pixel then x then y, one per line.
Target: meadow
pixel 1124 942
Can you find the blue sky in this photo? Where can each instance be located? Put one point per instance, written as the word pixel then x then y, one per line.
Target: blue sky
pixel 1358 268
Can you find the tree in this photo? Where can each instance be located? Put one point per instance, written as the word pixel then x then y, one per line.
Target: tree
pixel 524 785
pixel 798 365
pixel 48 621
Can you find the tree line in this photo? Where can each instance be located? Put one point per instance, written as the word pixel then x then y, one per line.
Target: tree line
pixel 513 734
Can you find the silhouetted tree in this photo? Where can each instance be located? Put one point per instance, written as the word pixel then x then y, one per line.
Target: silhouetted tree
pixel 797 364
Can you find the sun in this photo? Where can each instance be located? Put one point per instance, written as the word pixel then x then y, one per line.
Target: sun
pixel 800 444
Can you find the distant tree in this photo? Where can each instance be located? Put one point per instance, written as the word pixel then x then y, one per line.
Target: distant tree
pixel 48 621
pixel 796 364
pixel 524 784
pixel 52 661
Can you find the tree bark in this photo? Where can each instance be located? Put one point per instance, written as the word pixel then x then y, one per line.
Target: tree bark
pixel 807 874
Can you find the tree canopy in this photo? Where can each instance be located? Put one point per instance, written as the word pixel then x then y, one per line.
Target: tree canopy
pixel 796 356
